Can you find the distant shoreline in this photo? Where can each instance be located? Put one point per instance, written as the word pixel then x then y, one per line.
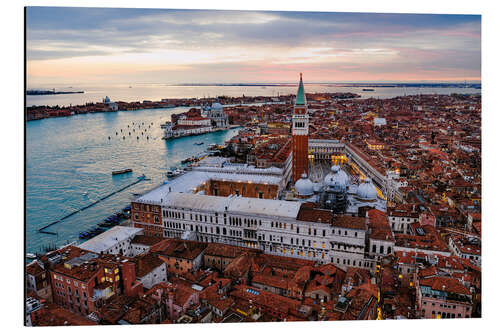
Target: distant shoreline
pixel 338 84
pixel 51 92
pixel 42 112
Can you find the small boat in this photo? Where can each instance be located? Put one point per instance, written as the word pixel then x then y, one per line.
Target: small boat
pixel 119 172
pixel 213 147
pixel 30 255
pixel 198 143
pixel 85 193
pixel 178 172
pixel 84 235
pixel 368 89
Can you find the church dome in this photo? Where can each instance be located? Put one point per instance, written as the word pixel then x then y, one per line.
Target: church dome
pixel 336 179
pixel 367 191
pixel 304 186
pixel 216 106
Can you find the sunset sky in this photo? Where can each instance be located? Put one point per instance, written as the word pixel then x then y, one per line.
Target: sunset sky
pixel 95 45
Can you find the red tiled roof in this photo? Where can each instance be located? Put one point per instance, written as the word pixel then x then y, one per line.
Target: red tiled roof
pixel 447 284
pixel 349 222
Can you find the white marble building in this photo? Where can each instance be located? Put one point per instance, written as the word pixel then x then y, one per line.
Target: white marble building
pixel 278 227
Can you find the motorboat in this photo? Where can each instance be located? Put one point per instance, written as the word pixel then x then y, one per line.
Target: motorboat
pixel 119 172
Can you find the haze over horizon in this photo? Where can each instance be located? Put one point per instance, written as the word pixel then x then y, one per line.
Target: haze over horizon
pixel 113 45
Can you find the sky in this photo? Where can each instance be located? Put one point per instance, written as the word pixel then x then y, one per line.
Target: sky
pixel 114 45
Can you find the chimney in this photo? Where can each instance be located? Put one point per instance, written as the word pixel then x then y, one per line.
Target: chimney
pixel 128 272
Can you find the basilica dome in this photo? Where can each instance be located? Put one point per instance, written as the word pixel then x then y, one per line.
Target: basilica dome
pixel 304 186
pixel 337 179
pixel 216 106
pixel 367 191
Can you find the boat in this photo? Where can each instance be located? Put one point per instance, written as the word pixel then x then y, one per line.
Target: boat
pixel 178 172
pixel 213 147
pixel 85 193
pixel 30 255
pixel 119 172
pixel 84 235
pixel 188 160
pixel 198 143
pixel 368 89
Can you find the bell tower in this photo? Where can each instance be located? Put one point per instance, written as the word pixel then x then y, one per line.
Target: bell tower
pixel 300 132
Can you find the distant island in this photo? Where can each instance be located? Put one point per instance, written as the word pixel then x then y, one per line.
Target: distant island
pixel 51 92
pixel 344 84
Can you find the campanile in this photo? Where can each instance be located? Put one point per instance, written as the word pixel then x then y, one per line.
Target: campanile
pixel 300 132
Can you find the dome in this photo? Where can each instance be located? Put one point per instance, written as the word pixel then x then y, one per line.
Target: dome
pixel 337 178
pixel 303 186
pixel 216 106
pixel 367 191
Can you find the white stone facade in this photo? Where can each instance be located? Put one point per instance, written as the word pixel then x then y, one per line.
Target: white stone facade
pixel 266 228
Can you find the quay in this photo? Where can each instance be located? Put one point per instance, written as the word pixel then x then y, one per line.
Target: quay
pixel 43 229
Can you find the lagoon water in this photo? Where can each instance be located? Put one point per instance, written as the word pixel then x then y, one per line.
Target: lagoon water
pixel 68 157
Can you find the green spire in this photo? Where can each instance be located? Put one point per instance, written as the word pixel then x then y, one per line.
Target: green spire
pixel 301 96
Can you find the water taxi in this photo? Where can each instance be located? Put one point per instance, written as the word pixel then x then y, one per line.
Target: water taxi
pixel 119 172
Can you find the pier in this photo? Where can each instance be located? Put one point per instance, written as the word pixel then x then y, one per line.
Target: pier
pixel 43 229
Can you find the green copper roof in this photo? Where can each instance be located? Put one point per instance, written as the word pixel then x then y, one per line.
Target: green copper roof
pixel 301 95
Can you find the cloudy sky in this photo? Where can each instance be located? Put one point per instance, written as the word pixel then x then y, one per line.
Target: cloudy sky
pixel 96 45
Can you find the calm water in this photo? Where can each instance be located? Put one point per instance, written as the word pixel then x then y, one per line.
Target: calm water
pixel 155 92
pixel 66 157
